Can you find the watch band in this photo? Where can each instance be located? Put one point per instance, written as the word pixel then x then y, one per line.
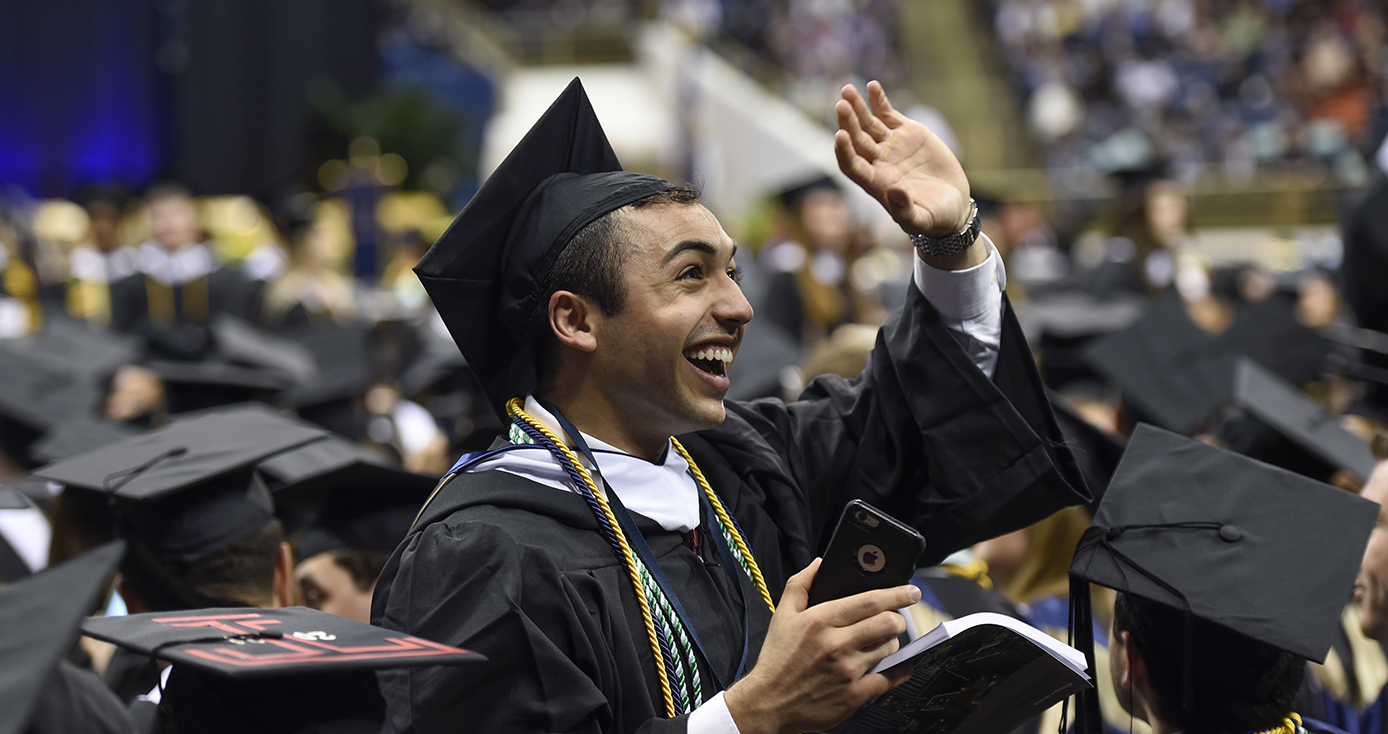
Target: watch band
pixel 955 243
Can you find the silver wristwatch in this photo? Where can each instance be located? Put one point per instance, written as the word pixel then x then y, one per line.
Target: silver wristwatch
pixel 955 243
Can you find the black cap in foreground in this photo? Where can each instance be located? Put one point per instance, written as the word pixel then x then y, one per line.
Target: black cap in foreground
pixel 1204 530
pixel 486 272
pixel 39 617
pixel 1170 370
pixel 1311 430
pixel 272 670
pixel 287 641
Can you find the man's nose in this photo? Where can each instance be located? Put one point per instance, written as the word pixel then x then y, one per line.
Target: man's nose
pixel 732 305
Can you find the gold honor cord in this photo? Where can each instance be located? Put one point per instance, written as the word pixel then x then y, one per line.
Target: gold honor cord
pixel 726 521
pixel 514 407
pixel 1290 725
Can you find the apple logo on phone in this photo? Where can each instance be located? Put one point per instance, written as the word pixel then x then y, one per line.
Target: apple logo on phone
pixel 871 558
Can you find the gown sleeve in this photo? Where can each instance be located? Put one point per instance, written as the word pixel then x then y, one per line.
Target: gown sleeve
pixel 926 436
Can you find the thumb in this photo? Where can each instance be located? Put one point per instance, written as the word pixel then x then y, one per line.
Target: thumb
pixel 797 594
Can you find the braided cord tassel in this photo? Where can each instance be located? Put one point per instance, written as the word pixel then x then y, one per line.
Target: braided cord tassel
pixel 729 527
pixel 514 407
pixel 686 671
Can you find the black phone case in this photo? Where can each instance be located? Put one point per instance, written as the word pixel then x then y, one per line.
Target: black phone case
pixel 869 550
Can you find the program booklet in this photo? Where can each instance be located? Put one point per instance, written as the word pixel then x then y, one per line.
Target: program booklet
pixel 983 673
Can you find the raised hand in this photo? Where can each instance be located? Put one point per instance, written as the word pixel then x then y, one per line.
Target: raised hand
pixel 901 163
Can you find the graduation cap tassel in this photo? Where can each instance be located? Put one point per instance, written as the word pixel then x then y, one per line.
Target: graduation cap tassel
pixel 1088 719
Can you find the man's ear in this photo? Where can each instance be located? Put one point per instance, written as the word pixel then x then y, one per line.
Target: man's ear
pixel 572 319
pixel 1135 668
pixel 284 576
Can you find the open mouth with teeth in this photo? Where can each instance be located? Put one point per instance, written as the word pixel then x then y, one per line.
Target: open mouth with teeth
pixel 713 360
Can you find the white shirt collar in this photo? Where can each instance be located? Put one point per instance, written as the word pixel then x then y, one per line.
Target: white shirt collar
pixel 663 492
pixel 177 267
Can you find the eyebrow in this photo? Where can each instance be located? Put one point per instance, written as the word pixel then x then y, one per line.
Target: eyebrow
pixel 687 245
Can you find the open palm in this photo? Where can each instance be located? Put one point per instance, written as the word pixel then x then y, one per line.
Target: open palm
pixel 901 163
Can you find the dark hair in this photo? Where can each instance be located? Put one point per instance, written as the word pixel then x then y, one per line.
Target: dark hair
pixel 242 572
pixel 1238 683
pixel 590 266
pixel 364 566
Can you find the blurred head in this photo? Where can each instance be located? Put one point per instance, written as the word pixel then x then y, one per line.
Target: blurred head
pixel 1168 213
pixel 105 218
pixel 1371 588
pixel 340 581
pixel 173 220
pixel 826 221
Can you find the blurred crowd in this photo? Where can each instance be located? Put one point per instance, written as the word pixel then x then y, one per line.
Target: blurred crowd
pixel 1235 86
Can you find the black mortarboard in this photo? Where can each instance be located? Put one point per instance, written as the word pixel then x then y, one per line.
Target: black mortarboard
pixel 486 271
pixel 337 482
pixel 78 436
pixel 241 342
pixel 344 364
pixel 1204 530
pixel 1300 421
pixel 271 670
pixel 39 617
pixel 183 492
pixel 793 196
pixel 1168 369
pixel 38 392
pixel 210 383
pixel 183 454
pixel 1269 333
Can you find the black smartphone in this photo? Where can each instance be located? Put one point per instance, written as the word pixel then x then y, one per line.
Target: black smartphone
pixel 869 550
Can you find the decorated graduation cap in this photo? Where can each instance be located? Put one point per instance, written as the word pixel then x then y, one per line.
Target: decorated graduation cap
pixel 486 273
pixel 1173 373
pixel 39 617
pixel 1279 424
pixel 271 670
pixel 184 492
pixel 1212 534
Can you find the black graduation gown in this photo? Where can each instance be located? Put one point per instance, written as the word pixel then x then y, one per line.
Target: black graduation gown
pixel 185 335
pixel 519 572
pixel 75 700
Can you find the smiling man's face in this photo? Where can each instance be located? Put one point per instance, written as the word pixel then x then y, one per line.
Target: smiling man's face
pixel 664 358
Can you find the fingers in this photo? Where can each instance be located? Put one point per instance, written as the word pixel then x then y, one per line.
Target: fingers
pixel 852 164
pixel 797 593
pixel 853 609
pixel 866 119
pixel 863 143
pixel 887 114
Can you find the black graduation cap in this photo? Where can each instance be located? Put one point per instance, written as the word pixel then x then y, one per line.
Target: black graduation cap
pixel 39 617
pixel 343 365
pixel 183 492
pixel 332 484
pixel 271 670
pixel 486 271
pixel 241 342
pixel 213 382
pixel 78 436
pixel 1269 333
pixel 1204 530
pixel 792 196
pixel 1312 437
pixel 1168 369
pixel 38 392
pixel 182 454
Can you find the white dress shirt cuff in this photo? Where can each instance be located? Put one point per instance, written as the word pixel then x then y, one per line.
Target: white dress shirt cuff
pixel 712 717
pixel 969 303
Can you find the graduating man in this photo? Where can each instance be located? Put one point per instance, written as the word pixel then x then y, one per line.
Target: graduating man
pixel 616 558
